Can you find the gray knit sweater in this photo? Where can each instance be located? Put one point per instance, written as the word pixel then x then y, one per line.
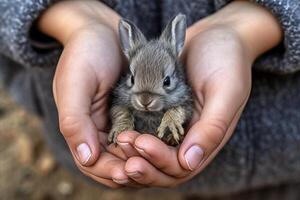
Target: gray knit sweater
pixel 265 148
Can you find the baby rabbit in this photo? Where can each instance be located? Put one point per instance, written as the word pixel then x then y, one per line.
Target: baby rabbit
pixel 154 96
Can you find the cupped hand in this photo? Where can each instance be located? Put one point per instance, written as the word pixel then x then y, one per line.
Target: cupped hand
pixel 88 67
pixel 219 73
pixel 218 55
pixel 218 65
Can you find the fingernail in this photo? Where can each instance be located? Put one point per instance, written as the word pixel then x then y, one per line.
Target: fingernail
pixel 142 152
pixel 84 153
pixel 121 182
pixel 134 174
pixel 193 156
pixel 125 144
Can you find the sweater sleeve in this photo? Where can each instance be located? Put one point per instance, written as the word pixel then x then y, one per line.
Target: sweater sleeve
pixel 18 39
pixel 20 42
pixel 285 58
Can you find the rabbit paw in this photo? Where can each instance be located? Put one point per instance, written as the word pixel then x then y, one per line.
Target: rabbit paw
pixel 170 130
pixel 116 130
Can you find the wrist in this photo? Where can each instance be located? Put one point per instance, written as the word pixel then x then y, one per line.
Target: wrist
pixel 65 18
pixel 255 27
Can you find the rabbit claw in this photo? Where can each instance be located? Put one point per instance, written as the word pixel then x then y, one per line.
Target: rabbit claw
pixel 122 120
pixel 116 130
pixel 170 128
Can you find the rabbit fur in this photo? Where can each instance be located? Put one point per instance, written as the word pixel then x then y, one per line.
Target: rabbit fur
pixel 154 96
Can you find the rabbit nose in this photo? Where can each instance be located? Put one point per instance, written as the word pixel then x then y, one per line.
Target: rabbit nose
pixel 145 100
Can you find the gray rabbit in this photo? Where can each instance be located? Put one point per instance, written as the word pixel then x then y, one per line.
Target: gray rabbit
pixel 154 96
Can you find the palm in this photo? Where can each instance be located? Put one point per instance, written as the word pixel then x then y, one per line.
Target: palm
pixel 98 64
pixel 104 63
pixel 216 64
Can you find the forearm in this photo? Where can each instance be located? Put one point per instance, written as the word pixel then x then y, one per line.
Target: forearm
pixel 16 34
pixel 66 17
pixel 257 28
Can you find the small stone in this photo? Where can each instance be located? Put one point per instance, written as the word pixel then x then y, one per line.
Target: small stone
pixel 46 163
pixel 65 188
pixel 25 152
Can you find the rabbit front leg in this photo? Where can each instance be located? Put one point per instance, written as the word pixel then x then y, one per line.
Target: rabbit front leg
pixel 122 120
pixel 172 122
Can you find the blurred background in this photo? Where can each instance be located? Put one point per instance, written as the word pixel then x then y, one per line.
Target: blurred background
pixel 29 171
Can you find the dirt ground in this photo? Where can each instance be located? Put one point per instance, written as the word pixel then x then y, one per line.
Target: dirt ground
pixel 28 170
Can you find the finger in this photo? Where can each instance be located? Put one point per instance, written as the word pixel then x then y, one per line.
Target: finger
pixel 218 118
pixel 126 141
pixel 106 182
pixel 107 167
pixel 116 151
pixel 144 173
pixel 73 92
pixel 112 184
pixel 162 156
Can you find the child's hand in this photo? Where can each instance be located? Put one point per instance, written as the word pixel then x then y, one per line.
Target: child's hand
pixel 88 67
pixel 220 75
pixel 218 55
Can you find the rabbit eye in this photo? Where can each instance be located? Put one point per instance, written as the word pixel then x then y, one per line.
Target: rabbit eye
pixel 132 79
pixel 167 81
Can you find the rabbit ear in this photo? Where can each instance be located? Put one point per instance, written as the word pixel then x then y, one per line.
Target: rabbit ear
pixel 130 36
pixel 174 33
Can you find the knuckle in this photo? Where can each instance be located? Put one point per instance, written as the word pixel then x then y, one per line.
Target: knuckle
pixel 181 174
pixel 149 183
pixel 216 130
pixel 69 125
pixel 108 184
pixel 176 173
